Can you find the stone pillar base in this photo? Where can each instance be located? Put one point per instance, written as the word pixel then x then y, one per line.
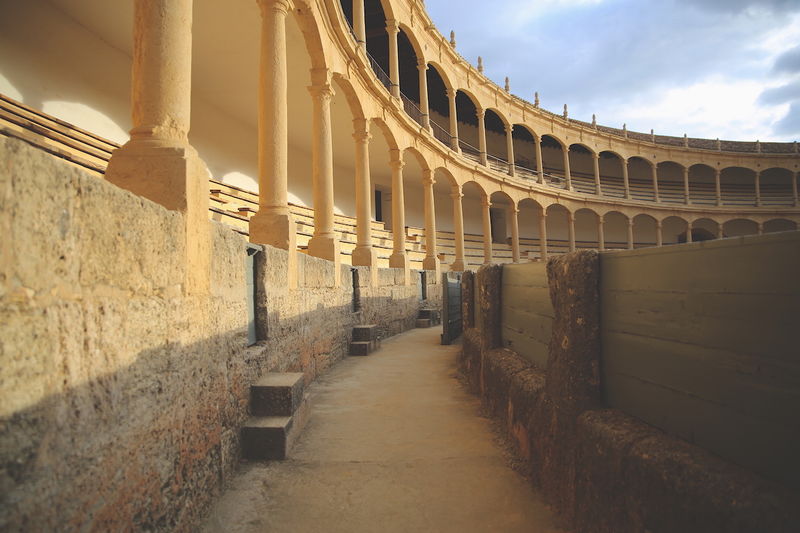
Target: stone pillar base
pixel 176 178
pixel 457 266
pixel 324 247
pixel 365 256
pixel 400 260
pixel 274 227
pixel 432 263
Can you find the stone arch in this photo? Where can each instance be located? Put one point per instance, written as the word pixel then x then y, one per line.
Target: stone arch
pixel 388 134
pixel 526 146
pixel 306 18
pixel 644 230
pixel 672 227
pixel 500 213
pixel 616 229
pixel 774 225
pixel 640 171
pixel 581 163
pixel 586 222
pixel 553 150
pixel 611 173
pixel 350 93
pixel 739 226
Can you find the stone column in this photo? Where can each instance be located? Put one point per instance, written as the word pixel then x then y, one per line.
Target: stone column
pixel 359 26
pixel 794 188
pixel 158 162
pixel 655 182
pixel 398 259
pixel 659 233
pixel 601 233
pixel 571 230
pixel 598 189
pixel 273 224
pixel 510 149
pixel 324 243
pixel 392 29
pixel 720 230
pixel 630 234
pixel 688 231
pixel 761 228
pixel 758 188
pixel 451 98
pixel 458 226
pixel 487 230
pixel 625 180
pixel 567 174
pixel 539 165
pixel 718 186
pixel 363 254
pixel 431 261
pixel 686 185
pixel 481 114
pixel 543 234
pixel 513 213
pixel 422 67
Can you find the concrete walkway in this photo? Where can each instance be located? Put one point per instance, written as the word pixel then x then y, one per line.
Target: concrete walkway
pixel 394 443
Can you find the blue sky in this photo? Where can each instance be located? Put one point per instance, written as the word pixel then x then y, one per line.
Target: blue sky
pixel 708 68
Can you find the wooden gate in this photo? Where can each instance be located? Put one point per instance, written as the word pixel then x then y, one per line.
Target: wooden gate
pixel 451 307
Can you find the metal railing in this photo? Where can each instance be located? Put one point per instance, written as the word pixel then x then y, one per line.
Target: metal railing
pixel 441 134
pixel 380 73
pixel 411 109
pixel 468 148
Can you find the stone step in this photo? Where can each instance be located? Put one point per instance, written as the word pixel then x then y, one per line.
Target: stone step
pixel 367 332
pixel 424 323
pixel 277 394
pixel 272 437
pixel 433 314
pixel 361 348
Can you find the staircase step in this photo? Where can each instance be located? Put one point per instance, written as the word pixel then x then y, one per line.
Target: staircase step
pixel 432 314
pixel 277 394
pixel 365 333
pixel 272 437
pixel 361 348
pixel 424 323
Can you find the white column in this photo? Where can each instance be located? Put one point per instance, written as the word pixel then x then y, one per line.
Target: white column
pixel 359 26
pixel 571 230
pixel 458 226
pixel 654 169
pixel 392 29
pixel 481 114
pixel 567 174
pixel 720 230
pixel 758 188
pixel 598 189
pixel 324 243
pixel 487 230
pixel 601 234
pixel 398 259
pixel 539 166
pixel 451 98
pixel 422 67
pixel 659 233
pixel 510 149
pixel 630 233
pixel 273 224
pixel 686 185
pixel 794 188
pixel 718 186
pixel 543 234
pixel 760 228
pixel 625 180
pixel 514 215
pixel 431 261
pixel 364 254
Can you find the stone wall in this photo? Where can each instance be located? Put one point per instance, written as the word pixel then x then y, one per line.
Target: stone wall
pixel 603 470
pixel 121 396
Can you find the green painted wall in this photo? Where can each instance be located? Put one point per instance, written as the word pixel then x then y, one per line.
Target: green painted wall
pixel 527 313
pixel 703 341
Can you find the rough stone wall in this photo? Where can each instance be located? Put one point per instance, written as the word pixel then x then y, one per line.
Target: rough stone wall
pixel 121 397
pixel 603 470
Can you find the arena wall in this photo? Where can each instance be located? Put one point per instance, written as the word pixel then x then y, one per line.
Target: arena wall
pixel 123 394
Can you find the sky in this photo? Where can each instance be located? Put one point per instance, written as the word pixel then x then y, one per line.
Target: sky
pixel 727 69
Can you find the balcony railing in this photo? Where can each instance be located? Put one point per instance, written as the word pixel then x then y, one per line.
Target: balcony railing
pixel 441 134
pixel 411 109
pixel 380 73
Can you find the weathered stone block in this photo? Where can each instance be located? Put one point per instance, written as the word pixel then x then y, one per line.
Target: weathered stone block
pixel 276 394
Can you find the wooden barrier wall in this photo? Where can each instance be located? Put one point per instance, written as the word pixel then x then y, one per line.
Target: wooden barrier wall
pixel 702 341
pixel 527 312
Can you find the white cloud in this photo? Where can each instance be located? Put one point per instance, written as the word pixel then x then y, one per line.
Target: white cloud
pixel 724 108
